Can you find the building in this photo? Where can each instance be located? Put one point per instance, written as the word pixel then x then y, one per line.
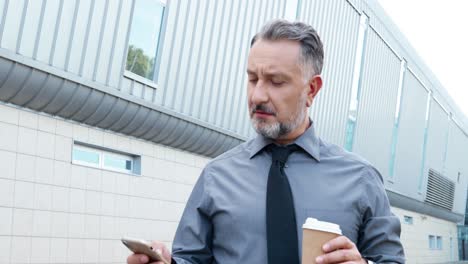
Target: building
pixel 110 109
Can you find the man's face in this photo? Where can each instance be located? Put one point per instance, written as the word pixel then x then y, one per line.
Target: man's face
pixel 278 94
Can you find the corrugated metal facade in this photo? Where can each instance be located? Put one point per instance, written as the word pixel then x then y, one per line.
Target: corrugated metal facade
pixel 410 137
pixel 62 46
pixel 330 108
pixel 436 140
pixel 377 103
pixel 455 162
pixel 206 56
pixel 69 34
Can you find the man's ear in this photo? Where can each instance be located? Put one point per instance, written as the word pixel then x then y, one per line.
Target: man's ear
pixel 315 84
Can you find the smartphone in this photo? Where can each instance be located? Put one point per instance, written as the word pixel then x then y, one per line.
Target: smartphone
pixel 139 246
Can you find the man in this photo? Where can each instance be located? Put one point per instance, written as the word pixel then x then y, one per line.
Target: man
pixel 249 204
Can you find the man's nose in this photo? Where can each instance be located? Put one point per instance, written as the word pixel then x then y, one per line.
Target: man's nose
pixel 259 94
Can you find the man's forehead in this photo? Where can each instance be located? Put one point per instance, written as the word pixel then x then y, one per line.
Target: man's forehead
pixel 274 56
pixel 266 70
pixel 276 48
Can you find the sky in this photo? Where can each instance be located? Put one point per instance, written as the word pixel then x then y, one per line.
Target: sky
pixel 437 29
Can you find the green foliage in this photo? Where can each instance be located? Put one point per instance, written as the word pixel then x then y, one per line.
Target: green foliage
pixel 139 63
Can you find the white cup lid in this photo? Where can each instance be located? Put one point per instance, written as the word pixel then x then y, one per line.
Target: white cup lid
pixel 312 223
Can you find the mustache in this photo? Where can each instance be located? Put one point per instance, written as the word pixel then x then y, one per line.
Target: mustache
pixel 262 108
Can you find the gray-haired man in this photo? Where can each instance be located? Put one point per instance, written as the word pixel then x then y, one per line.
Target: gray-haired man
pixel 249 203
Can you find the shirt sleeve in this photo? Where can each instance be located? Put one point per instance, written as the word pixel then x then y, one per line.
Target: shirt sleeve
pixel 379 235
pixel 193 238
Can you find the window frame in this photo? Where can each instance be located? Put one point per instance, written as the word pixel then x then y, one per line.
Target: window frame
pixel 87 149
pixel 439 242
pixel 126 157
pixel 409 220
pixel 158 53
pixel 102 154
pixel 432 242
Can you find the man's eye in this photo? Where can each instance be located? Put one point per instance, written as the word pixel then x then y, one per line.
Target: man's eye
pixel 277 83
pixel 253 80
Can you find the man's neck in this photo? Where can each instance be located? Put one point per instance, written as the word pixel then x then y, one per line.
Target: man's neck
pixel 291 137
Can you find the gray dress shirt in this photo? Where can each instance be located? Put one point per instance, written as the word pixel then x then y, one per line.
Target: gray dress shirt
pixel 224 219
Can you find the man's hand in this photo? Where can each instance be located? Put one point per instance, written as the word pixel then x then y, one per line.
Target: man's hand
pixel 340 250
pixel 142 259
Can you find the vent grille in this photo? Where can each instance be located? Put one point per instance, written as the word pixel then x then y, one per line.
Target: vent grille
pixel 440 190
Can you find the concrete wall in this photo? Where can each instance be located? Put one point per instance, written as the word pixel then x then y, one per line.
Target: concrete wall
pixel 53 211
pixel 415 238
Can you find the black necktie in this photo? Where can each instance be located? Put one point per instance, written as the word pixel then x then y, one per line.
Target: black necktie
pixel 280 213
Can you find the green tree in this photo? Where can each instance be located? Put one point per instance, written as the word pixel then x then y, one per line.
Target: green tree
pixel 139 63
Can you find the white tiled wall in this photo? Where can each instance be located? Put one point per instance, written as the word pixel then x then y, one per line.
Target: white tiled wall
pixel 52 211
pixel 415 238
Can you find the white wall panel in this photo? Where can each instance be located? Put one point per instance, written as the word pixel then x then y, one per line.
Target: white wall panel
pixel 188 36
pixel 31 24
pixel 196 44
pixel 337 24
pixel 12 25
pixel 90 52
pixel 3 10
pixel 118 55
pixel 377 103
pixel 436 139
pixel 235 82
pixel 107 40
pixel 456 164
pixel 61 46
pixel 204 54
pixel 77 48
pixel 410 136
pixel 48 28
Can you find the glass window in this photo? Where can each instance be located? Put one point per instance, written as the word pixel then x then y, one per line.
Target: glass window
pixel 408 220
pixel 432 242
pixel 144 40
pixel 439 242
pixel 84 154
pixel 118 162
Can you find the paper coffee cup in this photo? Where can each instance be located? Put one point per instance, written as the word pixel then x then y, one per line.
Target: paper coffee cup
pixel 315 234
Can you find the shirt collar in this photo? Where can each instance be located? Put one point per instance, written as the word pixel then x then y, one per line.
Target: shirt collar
pixel 308 141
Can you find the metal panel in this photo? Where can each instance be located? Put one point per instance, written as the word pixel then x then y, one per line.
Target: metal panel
pixel 407 203
pixel 210 78
pixel 106 47
pixel 408 155
pixel 337 24
pixel 436 140
pixel 118 55
pixel 3 12
pixel 90 54
pixel 64 34
pixel 45 38
pixel 58 93
pixel 78 48
pixel 376 111
pixel 456 164
pixel 11 28
pixel 31 25
pixel 440 190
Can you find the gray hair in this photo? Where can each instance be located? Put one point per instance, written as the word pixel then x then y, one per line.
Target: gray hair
pixel 311 58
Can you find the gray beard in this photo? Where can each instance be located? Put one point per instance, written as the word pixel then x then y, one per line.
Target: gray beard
pixel 278 129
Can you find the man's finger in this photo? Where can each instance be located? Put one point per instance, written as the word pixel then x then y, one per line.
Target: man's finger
pixel 339 256
pixel 137 259
pixel 340 242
